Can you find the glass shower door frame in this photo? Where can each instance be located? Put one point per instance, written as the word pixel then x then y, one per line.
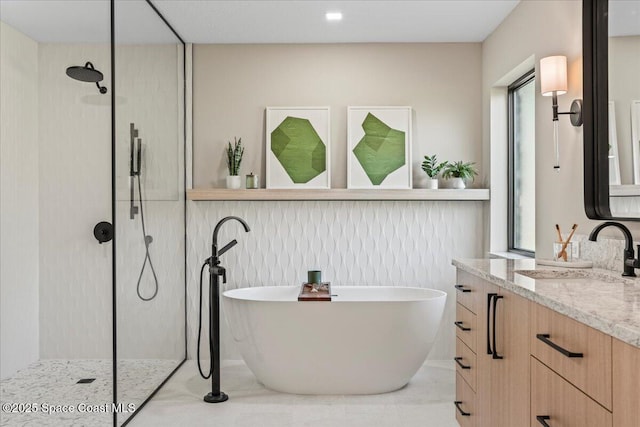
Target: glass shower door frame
pixel 114 204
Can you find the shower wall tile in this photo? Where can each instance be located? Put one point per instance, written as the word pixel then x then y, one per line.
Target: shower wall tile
pixel 376 243
pixel 75 194
pixel 18 200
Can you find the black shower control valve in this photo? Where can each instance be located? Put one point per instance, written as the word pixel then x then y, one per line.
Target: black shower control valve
pixel 103 232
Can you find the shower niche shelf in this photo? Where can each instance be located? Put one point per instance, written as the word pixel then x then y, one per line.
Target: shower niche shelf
pixel 218 194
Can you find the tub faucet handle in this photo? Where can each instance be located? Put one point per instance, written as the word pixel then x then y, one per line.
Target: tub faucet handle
pixel 217 270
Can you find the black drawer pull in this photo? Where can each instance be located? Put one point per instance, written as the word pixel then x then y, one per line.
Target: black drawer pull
pixel 463 413
pixel 545 339
pixel 542 420
pixel 462 288
pixel 462 328
pixel 495 355
pixel 459 362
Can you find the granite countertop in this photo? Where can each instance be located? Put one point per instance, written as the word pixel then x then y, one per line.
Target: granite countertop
pixel 602 299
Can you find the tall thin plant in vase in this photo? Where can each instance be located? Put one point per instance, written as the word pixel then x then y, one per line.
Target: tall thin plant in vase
pixel 234 159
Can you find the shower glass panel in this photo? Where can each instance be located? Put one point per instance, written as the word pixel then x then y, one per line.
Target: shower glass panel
pixel 149 201
pixel 56 281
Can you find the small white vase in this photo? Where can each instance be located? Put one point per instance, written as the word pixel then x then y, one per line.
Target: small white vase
pixel 457 183
pixel 432 183
pixel 233 182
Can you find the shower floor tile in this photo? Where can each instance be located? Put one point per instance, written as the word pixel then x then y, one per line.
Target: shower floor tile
pixel 47 383
pixel 425 402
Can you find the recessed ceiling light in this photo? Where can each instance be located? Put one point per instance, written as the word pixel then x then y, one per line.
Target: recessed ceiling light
pixel 334 16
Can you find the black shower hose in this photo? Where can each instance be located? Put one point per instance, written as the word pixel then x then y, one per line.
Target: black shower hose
pixel 206 377
pixel 147 257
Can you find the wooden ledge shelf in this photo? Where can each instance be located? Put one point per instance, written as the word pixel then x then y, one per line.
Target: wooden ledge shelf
pixel 219 194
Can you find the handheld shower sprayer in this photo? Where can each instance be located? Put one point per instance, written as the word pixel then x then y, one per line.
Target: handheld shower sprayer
pixel 215 271
pixel 135 172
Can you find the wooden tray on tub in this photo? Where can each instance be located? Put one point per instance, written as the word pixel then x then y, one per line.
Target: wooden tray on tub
pixel 322 292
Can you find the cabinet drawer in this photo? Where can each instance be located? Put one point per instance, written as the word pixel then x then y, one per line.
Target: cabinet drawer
pixel 466 326
pixel 565 405
pixel 466 363
pixel 591 373
pixel 468 290
pixel 465 402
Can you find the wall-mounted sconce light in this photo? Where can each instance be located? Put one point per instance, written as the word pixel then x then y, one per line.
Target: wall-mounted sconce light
pixel 553 82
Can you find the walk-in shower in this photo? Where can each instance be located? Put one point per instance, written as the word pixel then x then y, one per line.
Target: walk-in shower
pixel 90 326
pixel 88 74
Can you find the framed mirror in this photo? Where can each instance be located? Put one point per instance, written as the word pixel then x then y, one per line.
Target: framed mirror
pixel 611 46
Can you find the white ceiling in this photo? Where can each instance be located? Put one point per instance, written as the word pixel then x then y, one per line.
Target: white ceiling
pixel 259 21
pixel 364 21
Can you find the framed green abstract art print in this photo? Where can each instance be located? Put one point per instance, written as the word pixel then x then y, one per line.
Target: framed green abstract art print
pixel 379 147
pixel 298 141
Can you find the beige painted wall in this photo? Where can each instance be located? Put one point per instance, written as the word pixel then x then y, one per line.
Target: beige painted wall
pixel 538 29
pixel 624 87
pixel 234 83
pixel 19 244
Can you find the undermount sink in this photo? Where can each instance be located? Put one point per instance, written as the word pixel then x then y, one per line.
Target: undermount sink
pixel 575 274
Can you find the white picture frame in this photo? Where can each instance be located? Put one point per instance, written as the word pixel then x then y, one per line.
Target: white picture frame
pixel 614 158
pixel 396 118
pixel 297 120
pixel 635 139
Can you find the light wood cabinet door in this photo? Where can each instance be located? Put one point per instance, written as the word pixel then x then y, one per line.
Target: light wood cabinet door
pixel 626 385
pixel 510 379
pixel 561 402
pixel 502 380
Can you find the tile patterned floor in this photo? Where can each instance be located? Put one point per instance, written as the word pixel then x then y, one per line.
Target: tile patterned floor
pixel 52 382
pixel 425 402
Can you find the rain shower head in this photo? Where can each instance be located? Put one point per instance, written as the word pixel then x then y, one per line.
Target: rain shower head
pixel 87 74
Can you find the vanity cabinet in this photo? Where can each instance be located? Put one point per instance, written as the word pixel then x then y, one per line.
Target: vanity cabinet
pixel 496 349
pixel 522 364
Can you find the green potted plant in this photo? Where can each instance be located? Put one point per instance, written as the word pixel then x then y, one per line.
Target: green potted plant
pixel 458 172
pixel 234 159
pixel 432 168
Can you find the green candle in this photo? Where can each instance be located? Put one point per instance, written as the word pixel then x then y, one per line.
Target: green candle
pixel 252 181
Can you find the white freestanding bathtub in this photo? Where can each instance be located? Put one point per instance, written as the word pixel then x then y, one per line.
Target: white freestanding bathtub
pixel 367 340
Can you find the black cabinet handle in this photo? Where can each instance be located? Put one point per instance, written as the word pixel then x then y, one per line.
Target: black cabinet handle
pixel 458 361
pixel 495 354
pixel 545 339
pixel 489 299
pixel 463 413
pixel 462 328
pixel 462 288
pixel 542 420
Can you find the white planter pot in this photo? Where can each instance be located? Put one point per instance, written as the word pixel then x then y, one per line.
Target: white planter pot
pixel 233 182
pixel 457 183
pixel 432 183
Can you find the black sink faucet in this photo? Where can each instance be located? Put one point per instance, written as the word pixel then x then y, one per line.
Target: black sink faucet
pixel 630 262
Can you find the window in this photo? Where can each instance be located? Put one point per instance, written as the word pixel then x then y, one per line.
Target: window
pixel 522 164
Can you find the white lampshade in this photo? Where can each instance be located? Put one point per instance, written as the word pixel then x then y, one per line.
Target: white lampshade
pixel 553 75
